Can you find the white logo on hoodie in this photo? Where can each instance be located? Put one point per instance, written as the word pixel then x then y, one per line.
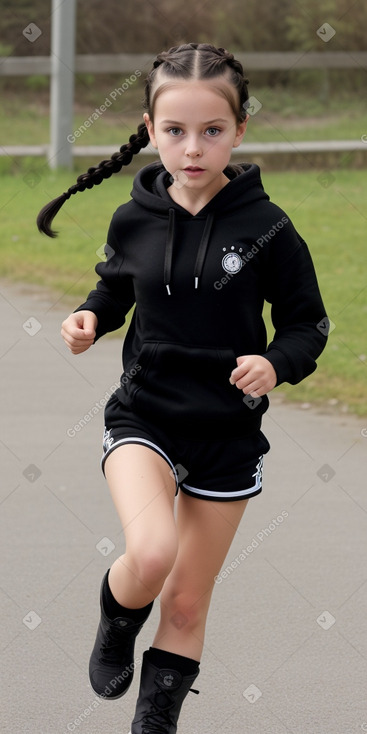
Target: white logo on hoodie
pixel 232 262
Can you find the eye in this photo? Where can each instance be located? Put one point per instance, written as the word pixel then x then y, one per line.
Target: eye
pixel 212 131
pixel 174 131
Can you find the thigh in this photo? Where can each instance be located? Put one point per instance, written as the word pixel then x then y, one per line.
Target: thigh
pixel 205 533
pixel 143 488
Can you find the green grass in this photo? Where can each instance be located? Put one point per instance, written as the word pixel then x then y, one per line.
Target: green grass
pixel 286 114
pixel 32 128
pixel 333 222
pixel 330 218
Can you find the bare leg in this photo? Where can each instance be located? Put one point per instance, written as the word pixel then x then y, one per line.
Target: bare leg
pixel 206 530
pixel 143 492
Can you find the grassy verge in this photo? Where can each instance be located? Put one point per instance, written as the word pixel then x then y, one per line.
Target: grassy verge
pixel 286 114
pixel 330 216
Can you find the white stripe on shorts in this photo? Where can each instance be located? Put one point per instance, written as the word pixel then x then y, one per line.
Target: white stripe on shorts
pixel 145 442
pixel 224 495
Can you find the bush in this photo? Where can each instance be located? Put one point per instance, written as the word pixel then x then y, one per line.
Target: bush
pixel 37 82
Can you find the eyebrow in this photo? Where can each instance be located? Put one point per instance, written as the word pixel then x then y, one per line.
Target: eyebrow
pixel 208 122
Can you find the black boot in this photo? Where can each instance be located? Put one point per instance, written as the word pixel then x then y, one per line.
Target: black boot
pixel 111 665
pixel 161 695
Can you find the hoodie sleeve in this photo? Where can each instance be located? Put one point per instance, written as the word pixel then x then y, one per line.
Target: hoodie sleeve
pixel 113 295
pixel 297 311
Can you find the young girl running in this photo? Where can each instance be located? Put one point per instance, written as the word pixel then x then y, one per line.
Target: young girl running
pixel 197 250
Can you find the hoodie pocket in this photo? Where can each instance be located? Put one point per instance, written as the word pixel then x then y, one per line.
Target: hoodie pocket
pixel 186 383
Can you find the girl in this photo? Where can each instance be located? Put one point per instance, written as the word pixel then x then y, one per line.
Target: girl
pixel 197 250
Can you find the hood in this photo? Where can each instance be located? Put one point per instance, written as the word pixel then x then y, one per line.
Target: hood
pixel 150 191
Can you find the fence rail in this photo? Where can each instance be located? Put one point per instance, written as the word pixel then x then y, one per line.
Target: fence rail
pixel 117 63
pixel 310 146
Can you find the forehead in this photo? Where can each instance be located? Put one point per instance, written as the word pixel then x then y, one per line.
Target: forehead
pixel 192 99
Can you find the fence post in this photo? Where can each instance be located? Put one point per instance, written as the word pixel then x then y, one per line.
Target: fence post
pixel 62 82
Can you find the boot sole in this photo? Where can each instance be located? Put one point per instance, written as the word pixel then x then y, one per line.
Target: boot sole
pixel 110 698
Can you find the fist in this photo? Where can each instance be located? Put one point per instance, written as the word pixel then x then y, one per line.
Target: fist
pixel 79 330
pixel 254 375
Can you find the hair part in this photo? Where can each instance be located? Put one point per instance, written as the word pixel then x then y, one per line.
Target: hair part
pixel 207 64
pixel 200 61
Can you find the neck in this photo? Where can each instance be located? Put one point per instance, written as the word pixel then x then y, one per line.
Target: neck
pixel 193 200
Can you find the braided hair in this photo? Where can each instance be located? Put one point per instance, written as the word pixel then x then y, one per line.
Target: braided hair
pixel 188 61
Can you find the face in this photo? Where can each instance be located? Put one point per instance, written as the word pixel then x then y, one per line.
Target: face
pixel 194 131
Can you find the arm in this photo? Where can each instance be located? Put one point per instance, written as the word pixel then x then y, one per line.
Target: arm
pixel 298 315
pixel 114 294
pixel 107 303
pixel 297 312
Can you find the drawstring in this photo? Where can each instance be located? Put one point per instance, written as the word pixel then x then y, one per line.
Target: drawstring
pixel 203 246
pixel 169 249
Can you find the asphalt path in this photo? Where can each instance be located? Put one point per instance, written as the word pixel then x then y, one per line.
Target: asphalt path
pixel 286 642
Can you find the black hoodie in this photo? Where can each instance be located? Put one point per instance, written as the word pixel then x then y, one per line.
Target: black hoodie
pixel 199 284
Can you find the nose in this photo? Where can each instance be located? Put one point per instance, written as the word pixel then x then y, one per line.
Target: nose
pixel 193 147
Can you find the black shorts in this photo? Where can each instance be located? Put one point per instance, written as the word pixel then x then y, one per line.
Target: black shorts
pixel 221 469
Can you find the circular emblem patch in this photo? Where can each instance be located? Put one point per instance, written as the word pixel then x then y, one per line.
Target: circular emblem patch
pixel 231 262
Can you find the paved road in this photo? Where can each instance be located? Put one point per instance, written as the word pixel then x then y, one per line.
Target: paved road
pixel 286 644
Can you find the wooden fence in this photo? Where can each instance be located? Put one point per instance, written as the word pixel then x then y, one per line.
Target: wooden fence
pixel 127 63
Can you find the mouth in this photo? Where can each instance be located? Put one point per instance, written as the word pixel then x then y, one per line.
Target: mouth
pixel 193 171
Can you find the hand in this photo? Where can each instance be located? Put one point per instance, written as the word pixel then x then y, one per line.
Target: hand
pixel 255 375
pixel 78 331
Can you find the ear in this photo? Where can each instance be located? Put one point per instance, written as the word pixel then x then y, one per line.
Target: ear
pixel 150 129
pixel 241 129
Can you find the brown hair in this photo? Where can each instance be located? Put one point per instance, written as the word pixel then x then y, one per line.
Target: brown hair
pixel 188 61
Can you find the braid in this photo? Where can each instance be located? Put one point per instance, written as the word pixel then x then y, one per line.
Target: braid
pixel 188 61
pixel 94 176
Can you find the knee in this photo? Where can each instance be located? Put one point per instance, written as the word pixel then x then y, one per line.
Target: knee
pixel 152 562
pixel 185 610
